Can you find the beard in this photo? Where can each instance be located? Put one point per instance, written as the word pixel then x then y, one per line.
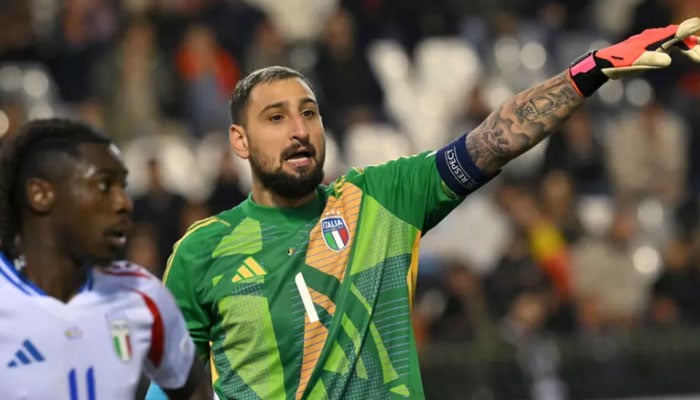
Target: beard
pixel 284 184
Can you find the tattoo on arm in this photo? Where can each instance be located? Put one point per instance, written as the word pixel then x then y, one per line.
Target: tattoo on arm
pixel 522 122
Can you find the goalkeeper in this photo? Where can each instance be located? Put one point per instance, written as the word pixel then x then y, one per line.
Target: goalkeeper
pixel 305 290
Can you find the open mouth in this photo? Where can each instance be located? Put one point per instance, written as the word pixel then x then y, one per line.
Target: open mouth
pixel 117 238
pixel 118 234
pixel 299 158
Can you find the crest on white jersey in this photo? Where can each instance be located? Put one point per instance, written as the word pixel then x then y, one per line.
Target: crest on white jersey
pixel 121 339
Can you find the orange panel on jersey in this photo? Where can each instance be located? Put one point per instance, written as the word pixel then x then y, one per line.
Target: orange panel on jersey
pixel 331 239
pixel 315 334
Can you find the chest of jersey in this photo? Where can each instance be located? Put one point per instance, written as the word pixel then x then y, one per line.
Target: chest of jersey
pixel 91 348
pixel 304 300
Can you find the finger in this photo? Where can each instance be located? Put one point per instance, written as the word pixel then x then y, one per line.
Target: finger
pixel 653 59
pixel 689 47
pixel 684 30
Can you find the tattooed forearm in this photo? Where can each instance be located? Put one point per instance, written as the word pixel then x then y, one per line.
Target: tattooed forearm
pixel 522 122
pixel 543 104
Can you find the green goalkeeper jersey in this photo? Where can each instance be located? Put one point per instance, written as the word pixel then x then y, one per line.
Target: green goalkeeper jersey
pixel 313 302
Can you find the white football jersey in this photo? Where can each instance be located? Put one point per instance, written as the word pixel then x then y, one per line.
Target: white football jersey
pixel 122 322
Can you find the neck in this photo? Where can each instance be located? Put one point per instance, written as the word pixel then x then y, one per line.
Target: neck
pixel 57 274
pixel 266 197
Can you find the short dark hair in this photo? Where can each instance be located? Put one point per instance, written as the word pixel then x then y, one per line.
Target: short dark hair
pixel 32 153
pixel 241 94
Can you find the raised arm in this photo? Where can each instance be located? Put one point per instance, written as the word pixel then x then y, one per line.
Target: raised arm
pixel 529 116
pixel 522 122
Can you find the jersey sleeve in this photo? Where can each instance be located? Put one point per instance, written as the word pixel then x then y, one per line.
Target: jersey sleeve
pixel 411 188
pixel 181 278
pixel 172 352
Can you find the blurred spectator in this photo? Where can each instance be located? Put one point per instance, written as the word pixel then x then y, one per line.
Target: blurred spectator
pixel 410 21
pixel 227 191
pixel 370 19
pixel 539 258
pixel 476 109
pixel 18 38
pixel 515 273
pixel 611 291
pixel 143 248
pixel 558 202
pixel 268 47
pixel 646 154
pixel 348 89
pixel 84 29
pixel 676 292
pixel 463 314
pixel 650 13
pixel 546 243
pixel 233 22
pixel 578 151
pixel 135 84
pixel 524 327
pixel 683 9
pixel 161 209
pixel 209 74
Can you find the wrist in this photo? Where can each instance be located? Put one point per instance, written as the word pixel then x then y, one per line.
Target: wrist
pixel 585 75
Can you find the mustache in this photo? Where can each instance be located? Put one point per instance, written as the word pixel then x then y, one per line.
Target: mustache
pixel 301 147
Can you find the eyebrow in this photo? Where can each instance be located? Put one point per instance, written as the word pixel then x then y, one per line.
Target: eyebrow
pixel 308 100
pixel 282 103
pixel 112 171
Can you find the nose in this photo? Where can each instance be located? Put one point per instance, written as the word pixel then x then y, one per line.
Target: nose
pixel 122 201
pixel 300 129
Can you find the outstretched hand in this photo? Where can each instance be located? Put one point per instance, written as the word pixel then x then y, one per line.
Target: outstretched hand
pixel 649 49
pixel 644 51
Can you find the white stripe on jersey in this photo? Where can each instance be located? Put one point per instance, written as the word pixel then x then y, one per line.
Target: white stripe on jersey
pixel 9 273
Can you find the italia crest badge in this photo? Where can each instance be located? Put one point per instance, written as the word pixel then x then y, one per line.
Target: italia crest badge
pixel 335 232
pixel 121 339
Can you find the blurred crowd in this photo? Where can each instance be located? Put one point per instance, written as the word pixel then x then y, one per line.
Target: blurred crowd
pixel 593 231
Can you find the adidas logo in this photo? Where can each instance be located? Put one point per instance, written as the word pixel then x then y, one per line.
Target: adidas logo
pixel 249 269
pixel 26 355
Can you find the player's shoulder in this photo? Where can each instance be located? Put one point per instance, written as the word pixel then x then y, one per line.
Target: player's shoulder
pixel 125 274
pixel 207 230
pixel 128 276
pixel 202 237
pixel 359 175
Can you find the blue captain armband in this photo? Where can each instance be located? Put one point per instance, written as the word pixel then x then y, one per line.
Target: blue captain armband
pixel 457 169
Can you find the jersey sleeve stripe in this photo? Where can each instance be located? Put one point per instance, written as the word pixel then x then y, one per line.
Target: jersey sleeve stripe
pixel 126 273
pixel 155 354
pixel 192 229
pixel 8 271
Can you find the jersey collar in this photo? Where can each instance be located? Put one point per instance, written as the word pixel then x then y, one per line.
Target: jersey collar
pixel 10 273
pixel 287 217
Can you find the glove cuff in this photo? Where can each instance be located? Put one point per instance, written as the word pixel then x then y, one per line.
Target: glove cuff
pixel 585 75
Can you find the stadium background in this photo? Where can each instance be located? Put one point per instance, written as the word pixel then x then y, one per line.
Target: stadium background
pixel 575 274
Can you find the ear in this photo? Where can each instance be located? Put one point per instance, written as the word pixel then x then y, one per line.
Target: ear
pixel 239 141
pixel 40 195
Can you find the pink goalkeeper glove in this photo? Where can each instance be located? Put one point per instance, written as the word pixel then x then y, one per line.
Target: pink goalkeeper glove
pixel 644 51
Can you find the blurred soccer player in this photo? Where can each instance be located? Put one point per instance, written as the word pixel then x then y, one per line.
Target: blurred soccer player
pixel 305 290
pixel 75 324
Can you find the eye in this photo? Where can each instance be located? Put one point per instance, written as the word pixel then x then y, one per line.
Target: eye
pixel 276 118
pixel 103 185
pixel 309 113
